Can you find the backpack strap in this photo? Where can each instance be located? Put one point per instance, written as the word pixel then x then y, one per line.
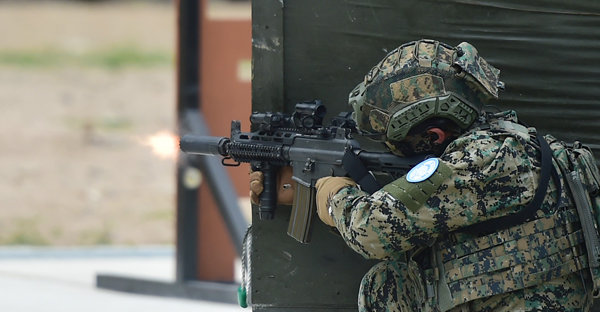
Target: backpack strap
pixel 528 212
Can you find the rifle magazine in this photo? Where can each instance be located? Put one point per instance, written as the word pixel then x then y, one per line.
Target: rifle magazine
pixel 303 210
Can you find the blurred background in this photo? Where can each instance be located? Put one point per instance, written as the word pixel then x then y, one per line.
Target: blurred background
pixel 91 104
pixel 89 146
pixel 87 93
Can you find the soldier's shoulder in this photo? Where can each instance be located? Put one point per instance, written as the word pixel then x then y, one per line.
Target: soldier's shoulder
pixel 487 129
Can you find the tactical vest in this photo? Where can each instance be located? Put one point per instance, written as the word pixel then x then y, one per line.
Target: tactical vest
pixel 533 250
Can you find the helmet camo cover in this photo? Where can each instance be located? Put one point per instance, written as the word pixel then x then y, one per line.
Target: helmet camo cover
pixel 421 80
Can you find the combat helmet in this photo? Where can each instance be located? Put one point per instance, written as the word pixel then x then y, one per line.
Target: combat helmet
pixel 422 80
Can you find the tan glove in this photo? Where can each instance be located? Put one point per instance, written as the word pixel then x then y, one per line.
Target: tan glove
pixel 326 188
pixel 256 186
pixel 285 186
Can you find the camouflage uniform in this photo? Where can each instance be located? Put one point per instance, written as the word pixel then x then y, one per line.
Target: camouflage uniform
pixel 482 175
pixel 486 228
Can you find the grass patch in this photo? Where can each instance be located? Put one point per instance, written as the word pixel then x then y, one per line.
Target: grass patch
pixel 160 214
pixel 99 236
pixel 26 233
pixel 30 58
pixel 112 58
pixel 127 56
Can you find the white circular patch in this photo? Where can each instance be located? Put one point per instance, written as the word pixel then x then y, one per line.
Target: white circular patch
pixel 423 170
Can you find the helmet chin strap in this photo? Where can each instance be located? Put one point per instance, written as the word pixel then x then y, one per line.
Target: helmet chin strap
pixel 439 133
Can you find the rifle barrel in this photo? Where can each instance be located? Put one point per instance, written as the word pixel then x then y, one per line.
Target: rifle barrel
pixel 203 145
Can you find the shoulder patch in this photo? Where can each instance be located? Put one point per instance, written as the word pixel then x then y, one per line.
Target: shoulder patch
pixel 419 184
pixel 423 170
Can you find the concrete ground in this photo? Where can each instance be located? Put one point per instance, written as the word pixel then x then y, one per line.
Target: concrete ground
pixel 63 279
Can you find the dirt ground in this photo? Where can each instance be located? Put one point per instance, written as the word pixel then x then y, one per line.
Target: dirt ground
pixel 75 162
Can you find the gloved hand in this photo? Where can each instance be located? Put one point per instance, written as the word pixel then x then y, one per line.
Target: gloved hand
pixel 326 188
pixel 285 186
pixel 256 186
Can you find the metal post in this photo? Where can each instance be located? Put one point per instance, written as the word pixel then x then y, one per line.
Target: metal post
pixel 188 97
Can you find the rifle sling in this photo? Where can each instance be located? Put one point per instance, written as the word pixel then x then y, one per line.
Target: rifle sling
pixel 529 211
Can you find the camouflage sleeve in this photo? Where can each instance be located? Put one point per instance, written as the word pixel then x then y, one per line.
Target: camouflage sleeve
pixel 489 177
pixel 374 226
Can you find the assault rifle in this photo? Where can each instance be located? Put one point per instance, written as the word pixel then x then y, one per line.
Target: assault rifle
pixel 313 150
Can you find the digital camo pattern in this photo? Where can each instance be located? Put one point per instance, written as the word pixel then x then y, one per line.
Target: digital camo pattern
pixel 522 256
pixel 493 173
pixel 387 281
pixel 412 89
pixel 425 53
pixel 394 286
pixel 393 92
pixel 579 157
pixel 379 120
pixel 405 61
pixel 471 63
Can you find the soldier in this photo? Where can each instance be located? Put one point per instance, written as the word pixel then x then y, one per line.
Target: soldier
pixel 487 222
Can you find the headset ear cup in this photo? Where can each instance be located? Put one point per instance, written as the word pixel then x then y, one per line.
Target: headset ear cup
pixel 439 133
